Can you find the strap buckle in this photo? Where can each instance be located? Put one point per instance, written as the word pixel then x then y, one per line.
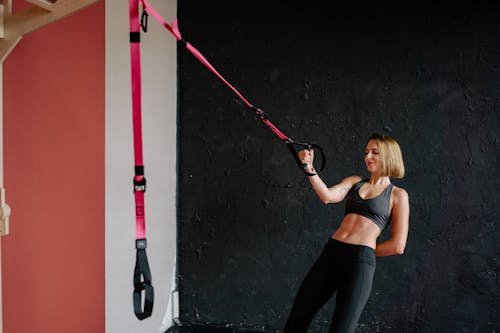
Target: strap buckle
pixel 139 179
pixel 139 184
pixel 141 244
pixel 259 112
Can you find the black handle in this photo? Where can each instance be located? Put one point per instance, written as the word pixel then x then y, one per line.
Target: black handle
pixel 143 294
pixel 291 146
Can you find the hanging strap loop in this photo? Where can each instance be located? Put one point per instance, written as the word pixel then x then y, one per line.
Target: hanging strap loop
pixel 143 294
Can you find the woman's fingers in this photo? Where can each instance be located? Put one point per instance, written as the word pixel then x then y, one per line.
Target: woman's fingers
pixel 306 156
pixel 302 155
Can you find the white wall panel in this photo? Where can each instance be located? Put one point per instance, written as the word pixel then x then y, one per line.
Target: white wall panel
pixel 159 83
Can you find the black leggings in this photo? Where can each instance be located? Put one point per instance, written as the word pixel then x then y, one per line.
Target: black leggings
pixel 343 268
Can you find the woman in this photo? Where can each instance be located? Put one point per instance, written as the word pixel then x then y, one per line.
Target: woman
pixel 347 262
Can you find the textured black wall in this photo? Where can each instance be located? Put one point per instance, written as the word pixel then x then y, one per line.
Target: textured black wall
pixel 249 223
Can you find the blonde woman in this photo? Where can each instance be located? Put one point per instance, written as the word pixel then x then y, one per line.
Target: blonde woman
pixel 347 263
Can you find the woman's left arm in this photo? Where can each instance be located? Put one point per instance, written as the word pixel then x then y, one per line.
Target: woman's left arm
pixel 400 225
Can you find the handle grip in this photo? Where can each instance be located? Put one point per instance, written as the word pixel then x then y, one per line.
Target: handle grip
pixel 291 146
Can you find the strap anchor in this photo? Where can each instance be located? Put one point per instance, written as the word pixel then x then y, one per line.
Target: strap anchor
pixel 144 20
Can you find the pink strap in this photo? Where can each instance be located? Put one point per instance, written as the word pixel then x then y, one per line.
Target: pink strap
pixel 174 29
pixel 135 62
pixel 143 294
pixel 140 214
pixel 135 59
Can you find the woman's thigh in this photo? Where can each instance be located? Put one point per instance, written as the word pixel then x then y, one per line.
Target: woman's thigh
pixel 352 295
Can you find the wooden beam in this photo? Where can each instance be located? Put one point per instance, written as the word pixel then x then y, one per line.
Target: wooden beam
pixel 28 20
pixel 5 8
pixel 8 6
pixel 1 19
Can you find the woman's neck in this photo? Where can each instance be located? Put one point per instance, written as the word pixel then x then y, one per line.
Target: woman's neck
pixel 376 179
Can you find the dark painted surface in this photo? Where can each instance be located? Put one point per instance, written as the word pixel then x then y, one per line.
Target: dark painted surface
pixel 250 225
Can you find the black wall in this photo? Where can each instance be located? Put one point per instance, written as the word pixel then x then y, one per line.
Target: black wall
pixel 249 224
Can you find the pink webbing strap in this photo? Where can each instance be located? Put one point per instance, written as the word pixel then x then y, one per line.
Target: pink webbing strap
pixel 142 274
pixel 135 62
pixel 174 29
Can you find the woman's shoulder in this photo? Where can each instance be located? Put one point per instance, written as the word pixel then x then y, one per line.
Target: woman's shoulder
pixel 399 193
pixel 352 179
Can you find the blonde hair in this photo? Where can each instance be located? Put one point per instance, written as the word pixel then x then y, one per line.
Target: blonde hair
pixel 390 156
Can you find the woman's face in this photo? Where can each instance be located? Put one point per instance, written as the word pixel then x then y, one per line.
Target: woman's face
pixel 372 157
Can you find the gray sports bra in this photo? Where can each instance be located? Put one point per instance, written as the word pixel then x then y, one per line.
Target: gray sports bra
pixel 376 208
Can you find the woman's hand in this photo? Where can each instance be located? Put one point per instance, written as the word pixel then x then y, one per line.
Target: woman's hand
pixel 307 157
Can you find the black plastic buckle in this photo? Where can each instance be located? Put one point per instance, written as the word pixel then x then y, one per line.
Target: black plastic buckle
pixel 141 243
pixel 259 112
pixel 140 185
pixel 135 37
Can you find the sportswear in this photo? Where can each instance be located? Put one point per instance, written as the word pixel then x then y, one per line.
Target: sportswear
pixel 377 209
pixel 344 270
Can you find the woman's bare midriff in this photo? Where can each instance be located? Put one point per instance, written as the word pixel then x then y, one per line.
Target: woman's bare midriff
pixel 359 230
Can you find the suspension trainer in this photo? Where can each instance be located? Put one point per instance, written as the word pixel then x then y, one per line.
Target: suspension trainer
pixel 143 294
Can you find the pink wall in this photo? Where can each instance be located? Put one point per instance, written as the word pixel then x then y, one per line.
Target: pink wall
pixel 53 258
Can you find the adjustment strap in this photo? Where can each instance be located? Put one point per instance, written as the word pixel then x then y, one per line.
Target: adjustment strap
pixel 174 30
pixel 143 289
pixel 140 213
pixel 143 294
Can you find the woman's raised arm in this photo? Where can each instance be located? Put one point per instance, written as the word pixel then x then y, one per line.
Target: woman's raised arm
pixel 326 194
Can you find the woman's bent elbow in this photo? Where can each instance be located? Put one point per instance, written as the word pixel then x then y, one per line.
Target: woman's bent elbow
pixel 325 201
pixel 400 250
